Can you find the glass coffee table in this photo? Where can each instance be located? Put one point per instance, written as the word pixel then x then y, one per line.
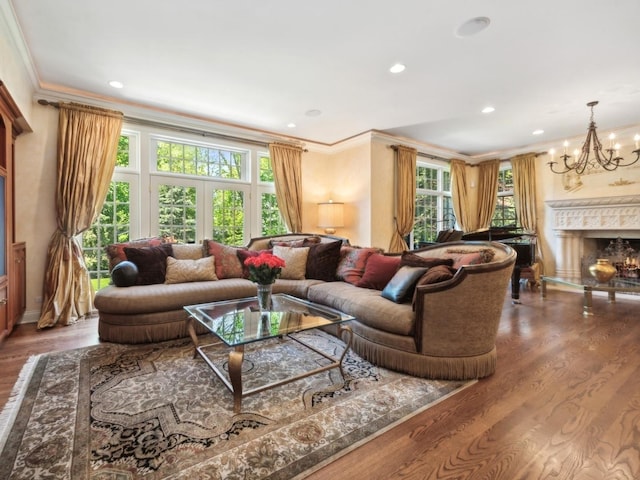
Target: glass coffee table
pixel 589 285
pixel 236 323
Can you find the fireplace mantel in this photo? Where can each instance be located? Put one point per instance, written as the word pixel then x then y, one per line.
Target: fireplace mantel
pixel 604 213
pixel 575 219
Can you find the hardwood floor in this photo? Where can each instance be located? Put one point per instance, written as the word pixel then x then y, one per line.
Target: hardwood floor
pixel 564 402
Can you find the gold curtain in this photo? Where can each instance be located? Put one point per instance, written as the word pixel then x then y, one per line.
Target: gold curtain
pixel 87 144
pixel 460 194
pixel 405 197
pixel 487 192
pixel 524 194
pixel 286 162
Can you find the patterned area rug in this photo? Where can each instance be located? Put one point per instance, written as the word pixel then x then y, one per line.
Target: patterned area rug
pixel 153 411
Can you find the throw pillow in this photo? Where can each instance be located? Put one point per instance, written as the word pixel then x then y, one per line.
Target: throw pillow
pixel 352 263
pixel 244 254
pixel 115 251
pixel 190 270
pixel 187 251
pixel 298 242
pixel 227 263
pixel 439 273
pixel 151 262
pixel 463 256
pixel 379 270
pixel 295 260
pixel 322 261
pixel 124 274
pixel 401 286
pixel 414 260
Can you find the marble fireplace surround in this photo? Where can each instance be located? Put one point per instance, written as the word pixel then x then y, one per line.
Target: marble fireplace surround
pixel 574 221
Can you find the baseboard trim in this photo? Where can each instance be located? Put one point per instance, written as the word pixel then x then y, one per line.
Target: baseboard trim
pixel 31 316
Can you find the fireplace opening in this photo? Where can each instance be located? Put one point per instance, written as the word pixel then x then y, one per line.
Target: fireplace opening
pixel 623 253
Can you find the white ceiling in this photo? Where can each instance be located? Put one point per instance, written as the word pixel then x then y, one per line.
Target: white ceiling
pixel 265 63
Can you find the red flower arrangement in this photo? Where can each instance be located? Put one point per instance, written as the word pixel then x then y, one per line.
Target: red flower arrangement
pixel 265 268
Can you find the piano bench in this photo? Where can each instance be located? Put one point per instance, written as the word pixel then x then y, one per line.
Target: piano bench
pixel 531 275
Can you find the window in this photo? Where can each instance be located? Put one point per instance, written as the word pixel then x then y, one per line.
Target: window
pixel 505 213
pixel 200 160
pixel 196 190
pixel 272 222
pixel 434 206
pixel 177 212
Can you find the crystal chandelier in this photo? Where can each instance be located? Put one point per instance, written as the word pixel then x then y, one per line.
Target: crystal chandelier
pixel 609 160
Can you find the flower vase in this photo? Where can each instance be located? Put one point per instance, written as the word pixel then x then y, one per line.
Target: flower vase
pixel 603 271
pixel 264 296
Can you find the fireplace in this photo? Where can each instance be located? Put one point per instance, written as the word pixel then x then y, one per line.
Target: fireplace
pixel 582 226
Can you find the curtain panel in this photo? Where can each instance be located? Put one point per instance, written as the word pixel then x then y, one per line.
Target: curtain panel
pixel 460 195
pixel 524 194
pixel 487 192
pixel 286 162
pixel 87 145
pixel 405 201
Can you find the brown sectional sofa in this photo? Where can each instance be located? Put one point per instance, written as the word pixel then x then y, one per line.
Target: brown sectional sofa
pixel 446 331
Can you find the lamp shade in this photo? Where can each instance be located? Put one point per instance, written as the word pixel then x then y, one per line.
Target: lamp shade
pixel 331 215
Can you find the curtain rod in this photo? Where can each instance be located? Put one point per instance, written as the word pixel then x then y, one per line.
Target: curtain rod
pixel 167 126
pixel 425 155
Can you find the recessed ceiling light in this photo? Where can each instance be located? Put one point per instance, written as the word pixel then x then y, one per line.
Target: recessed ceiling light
pixel 488 110
pixel 313 113
pixel 537 132
pixel 116 84
pixel 397 68
pixel 472 27
pixel 291 125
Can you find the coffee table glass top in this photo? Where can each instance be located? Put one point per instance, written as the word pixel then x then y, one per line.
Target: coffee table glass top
pixel 615 284
pixel 238 322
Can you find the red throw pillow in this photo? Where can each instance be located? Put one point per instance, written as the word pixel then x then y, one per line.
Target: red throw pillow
pixel 353 260
pixel 227 262
pixel 379 270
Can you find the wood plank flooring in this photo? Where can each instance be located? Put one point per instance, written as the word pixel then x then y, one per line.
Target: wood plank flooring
pixel 564 402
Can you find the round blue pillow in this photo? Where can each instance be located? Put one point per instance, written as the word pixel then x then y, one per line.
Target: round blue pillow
pixel 124 274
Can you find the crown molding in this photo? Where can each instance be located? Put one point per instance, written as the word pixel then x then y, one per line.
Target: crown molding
pixel 15 37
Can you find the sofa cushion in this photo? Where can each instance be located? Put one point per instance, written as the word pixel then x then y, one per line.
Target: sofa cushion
pixel 297 288
pixel 379 270
pixel 295 259
pixel 163 297
pixel 151 262
pixel 367 305
pixel 353 261
pixel 400 287
pixel 227 262
pixel 188 270
pixel 322 261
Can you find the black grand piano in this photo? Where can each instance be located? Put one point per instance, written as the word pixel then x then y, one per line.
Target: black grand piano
pixel 524 244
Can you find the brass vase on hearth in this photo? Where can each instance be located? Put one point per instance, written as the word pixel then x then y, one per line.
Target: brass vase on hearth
pixel 602 270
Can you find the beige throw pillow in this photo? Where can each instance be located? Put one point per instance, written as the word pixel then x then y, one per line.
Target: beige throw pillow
pixel 183 271
pixel 295 259
pixel 187 251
